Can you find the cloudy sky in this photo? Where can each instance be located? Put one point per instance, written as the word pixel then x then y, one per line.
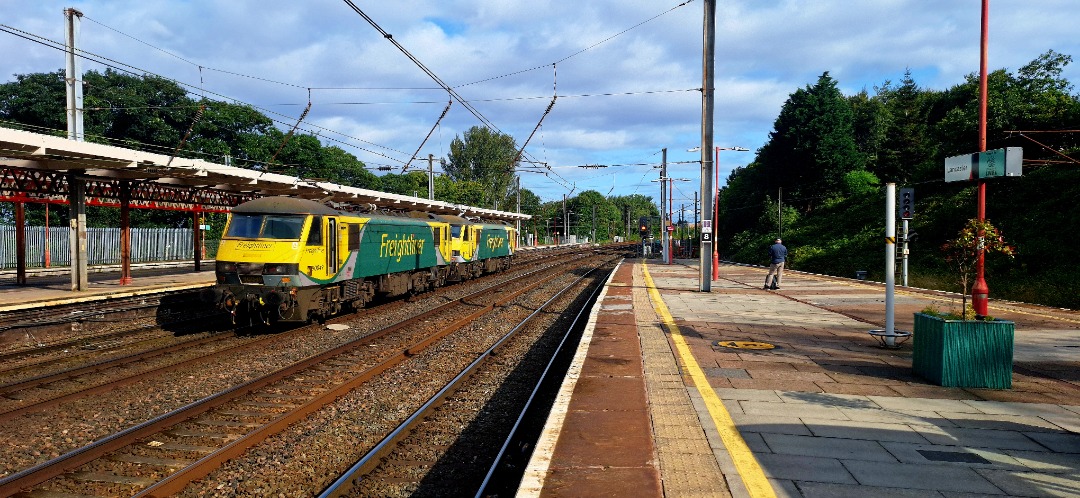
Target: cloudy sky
pixel 626 72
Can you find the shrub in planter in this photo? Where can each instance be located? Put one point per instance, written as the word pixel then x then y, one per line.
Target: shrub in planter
pixel 965 350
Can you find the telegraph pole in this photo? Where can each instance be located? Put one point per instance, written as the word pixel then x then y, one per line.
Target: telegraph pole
pixel 431 177
pixel 594 223
pixel 517 222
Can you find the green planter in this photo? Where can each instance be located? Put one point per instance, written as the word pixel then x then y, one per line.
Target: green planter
pixel 963 353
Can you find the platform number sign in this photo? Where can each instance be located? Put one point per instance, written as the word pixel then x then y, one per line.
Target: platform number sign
pixel 907 203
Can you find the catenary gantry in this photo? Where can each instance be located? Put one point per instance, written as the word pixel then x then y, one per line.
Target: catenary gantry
pixel 49 169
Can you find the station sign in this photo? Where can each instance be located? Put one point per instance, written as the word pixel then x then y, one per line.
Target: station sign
pixel 982 165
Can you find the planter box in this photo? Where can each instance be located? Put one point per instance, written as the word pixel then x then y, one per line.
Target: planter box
pixel 963 353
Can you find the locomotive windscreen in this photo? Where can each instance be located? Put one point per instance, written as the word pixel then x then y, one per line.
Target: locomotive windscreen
pixel 265 226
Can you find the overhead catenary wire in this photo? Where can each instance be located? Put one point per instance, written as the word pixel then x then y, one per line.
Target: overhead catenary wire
pixel 586 49
pixel 431 74
pixel 1047 147
pixel 314 128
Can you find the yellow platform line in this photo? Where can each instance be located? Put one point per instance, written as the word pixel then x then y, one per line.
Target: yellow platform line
pixel 757 485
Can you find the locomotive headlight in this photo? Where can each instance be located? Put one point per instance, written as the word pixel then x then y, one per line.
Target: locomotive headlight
pixel 280 269
pixel 225 267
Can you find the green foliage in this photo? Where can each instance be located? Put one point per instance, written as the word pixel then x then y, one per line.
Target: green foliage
pixel 902 134
pixel 977 236
pixel 968 314
pixel 812 145
pixel 154 114
pixel 488 157
pixel 860 182
pixel 32 100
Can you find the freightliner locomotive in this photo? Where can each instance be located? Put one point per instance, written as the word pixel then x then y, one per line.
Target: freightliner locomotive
pixel 285 259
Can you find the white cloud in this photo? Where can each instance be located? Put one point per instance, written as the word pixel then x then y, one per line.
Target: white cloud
pixel 765 51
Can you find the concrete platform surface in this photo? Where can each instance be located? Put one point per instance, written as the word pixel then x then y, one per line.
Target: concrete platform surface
pixel 669 397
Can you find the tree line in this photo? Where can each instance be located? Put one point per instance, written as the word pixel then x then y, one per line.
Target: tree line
pixel 819 179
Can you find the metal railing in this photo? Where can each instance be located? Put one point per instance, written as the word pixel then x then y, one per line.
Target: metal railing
pixel 148 245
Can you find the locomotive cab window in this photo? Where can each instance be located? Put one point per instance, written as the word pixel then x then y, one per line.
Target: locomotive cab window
pixel 354 237
pixel 314 237
pixel 259 226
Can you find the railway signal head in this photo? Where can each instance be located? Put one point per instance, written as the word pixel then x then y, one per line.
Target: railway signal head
pixel 907 203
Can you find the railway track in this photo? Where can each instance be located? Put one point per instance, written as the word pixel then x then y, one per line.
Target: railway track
pixel 33 333
pixel 91 355
pixel 217 418
pixel 429 454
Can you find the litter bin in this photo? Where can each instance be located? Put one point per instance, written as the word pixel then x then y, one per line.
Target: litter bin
pixel 860 274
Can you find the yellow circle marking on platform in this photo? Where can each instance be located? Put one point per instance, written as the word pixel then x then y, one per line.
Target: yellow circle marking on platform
pixel 757 485
pixel 745 345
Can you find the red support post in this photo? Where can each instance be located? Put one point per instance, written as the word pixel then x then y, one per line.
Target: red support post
pixel 125 233
pixel 980 292
pixel 196 237
pixel 20 243
pixel 47 255
pixel 716 218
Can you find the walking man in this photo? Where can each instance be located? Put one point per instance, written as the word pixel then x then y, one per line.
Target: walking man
pixel 777 256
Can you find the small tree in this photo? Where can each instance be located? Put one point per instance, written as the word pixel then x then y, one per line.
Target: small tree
pixel 963 251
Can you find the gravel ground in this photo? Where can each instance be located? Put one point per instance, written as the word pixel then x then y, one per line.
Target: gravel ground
pixel 309 456
pixel 35 438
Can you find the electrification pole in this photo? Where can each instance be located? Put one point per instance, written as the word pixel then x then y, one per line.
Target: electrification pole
pixel 431 177
pixel 707 189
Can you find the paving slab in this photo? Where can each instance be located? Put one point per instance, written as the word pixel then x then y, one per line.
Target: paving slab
pixel 929 477
pixel 826 412
pixel 831 490
pixel 829 447
pixel 804 468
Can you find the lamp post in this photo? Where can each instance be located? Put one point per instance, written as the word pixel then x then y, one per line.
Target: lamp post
pixel 716 210
pixel 666 216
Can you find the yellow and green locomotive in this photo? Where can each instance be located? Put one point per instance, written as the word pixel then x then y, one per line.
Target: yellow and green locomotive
pixel 291 259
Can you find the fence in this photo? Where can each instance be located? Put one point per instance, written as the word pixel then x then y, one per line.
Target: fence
pixel 102 246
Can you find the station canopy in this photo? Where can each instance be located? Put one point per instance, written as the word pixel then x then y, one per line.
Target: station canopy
pixel 36 167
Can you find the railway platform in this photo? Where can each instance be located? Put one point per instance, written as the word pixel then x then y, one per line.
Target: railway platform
pixel 676 393
pixel 53 287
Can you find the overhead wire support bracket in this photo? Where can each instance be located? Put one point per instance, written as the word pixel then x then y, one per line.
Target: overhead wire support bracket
pixel 293 130
pixel 198 116
pixel 437 121
pixel 554 97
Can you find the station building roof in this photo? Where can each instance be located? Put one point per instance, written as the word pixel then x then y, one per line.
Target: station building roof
pixel 35 151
